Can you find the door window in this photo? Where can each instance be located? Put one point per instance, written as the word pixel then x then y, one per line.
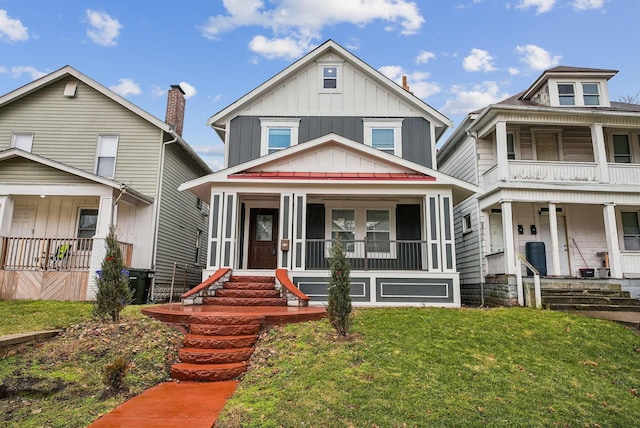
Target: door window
pixel 264 227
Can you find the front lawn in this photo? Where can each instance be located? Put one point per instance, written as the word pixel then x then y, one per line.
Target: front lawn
pixel 442 367
pixel 22 316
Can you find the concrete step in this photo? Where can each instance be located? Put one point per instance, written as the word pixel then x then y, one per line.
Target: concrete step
pixel 588 292
pixel 218 342
pixel 247 293
pixel 238 301
pixel 591 300
pixel 575 285
pixel 217 319
pixel 207 372
pixel 224 330
pixel 214 356
pixel 252 279
pixel 580 307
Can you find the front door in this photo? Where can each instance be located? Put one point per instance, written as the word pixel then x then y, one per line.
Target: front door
pixel 263 238
pixel 546 146
pixel 563 249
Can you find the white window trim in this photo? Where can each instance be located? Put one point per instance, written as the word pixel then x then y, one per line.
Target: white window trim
pixel 361 226
pixel 516 144
pixel 15 135
pixel 621 230
pixel 635 151
pixel 338 66
pixel 391 123
pixel 554 96
pixel 115 157
pixel 467 228
pixel 282 122
pixel 542 130
pixel 599 94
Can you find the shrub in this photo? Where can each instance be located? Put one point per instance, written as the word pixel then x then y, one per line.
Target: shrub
pixel 114 373
pixel 339 300
pixel 113 282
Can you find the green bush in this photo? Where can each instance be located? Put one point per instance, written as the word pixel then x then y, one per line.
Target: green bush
pixel 113 282
pixel 114 373
pixel 339 300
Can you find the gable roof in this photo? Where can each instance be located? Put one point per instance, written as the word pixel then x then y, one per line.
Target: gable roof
pixel 67 70
pixel 261 169
pixel 217 121
pixel 18 153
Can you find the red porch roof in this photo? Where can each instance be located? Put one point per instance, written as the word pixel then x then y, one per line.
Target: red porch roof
pixel 381 176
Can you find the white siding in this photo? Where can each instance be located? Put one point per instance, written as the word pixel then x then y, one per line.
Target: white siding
pixel 468 244
pixel 462 163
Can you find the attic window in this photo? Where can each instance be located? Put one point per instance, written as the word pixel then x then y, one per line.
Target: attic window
pixel 330 77
pixel 566 94
pixel 591 94
pixel 70 89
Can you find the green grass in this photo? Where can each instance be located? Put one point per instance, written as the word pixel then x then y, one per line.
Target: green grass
pixel 21 316
pixel 443 367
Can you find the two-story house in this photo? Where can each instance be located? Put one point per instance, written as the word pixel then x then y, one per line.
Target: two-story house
pixel 327 149
pixel 76 158
pixel 558 165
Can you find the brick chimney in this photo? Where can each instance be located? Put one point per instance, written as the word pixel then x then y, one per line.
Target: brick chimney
pixel 175 108
pixel 404 84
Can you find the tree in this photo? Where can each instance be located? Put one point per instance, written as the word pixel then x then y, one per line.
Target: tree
pixel 630 99
pixel 113 282
pixel 339 300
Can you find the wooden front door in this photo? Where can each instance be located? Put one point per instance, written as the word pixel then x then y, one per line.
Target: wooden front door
pixel 263 238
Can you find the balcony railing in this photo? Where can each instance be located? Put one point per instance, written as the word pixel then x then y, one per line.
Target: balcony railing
pixel 51 253
pixel 582 172
pixel 624 173
pixel 371 255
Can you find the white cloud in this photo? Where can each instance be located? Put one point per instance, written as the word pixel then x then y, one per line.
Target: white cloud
pixel 478 60
pixel 210 150
pixel 466 100
pixel 513 71
pixel 104 30
pixel 296 23
pixel 26 69
pixel 587 4
pixel 126 87
pixel 12 29
pixel 416 80
pixel 157 92
pixel 541 6
pixel 424 57
pixel 537 58
pixel 189 90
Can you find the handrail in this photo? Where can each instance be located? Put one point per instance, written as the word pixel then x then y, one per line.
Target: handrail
pixel 206 283
pixel 536 281
pixel 283 277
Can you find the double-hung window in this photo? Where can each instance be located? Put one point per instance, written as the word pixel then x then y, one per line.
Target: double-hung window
pixel 330 77
pixel 631 230
pixel 278 134
pixel 590 94
pixel 384 134
pixel 378 231
pixel 364 229
pixel 107 150
pixel 22 140
pixel 566 94
pixel 621 148
pixel 511 146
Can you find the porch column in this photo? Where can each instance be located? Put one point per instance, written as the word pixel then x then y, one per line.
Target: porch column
pixel 432 228
pixel 99 248
pixel 501 146
pixel 285 230
pixel 299 233
pixel 6 215
pixel 553 230
pixel 446 228
pixel 599 152
pixel 215 228
pixel 613 244
pixel 229 224
pixel 507 233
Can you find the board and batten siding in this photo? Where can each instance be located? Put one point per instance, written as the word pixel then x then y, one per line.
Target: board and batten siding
pixel 468 257
pixel 462 162
pixel 66 130
pixel 55 217
pixel 360 95
pixel 245 135
pixel 179 219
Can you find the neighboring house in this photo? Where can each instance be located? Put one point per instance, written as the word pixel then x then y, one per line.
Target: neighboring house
pixel 558 164
pixel 75 158
pixel 330 148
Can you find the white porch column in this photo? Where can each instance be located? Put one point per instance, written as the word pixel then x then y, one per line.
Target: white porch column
pixel 229 224
pixel 599 151
pixel 299 232
pixel 6 215
pixel 447 235
pixel 501 146
pixel 99 249
pixel 285 230
pixel 613 245
pixel 215 231
pixel 553 230
pixel 507 233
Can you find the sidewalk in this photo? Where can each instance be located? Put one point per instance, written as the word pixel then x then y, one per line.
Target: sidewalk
pixel 171 404
pixel 629 319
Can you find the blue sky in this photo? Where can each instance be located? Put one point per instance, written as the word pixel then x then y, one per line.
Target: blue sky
pixel 459 55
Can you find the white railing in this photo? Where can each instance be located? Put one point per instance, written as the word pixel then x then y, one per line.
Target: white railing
pixel 536 281
pixel 490 177
pixel 624 173
pixel 582 172
pixel 496 264
pixel 630 263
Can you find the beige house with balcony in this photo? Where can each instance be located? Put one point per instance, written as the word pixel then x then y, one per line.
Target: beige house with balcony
pixel 558 164
pixel 76 158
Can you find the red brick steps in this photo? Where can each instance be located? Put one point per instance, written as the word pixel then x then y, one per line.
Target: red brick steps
pixel 207 372
pixel 215 356
pixel 218 342
pixel 244 293
pixel 247 285
pixel 225 330
pixel 245 301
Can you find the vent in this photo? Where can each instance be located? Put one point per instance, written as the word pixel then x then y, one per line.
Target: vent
pixel 546 210
pixel 70 89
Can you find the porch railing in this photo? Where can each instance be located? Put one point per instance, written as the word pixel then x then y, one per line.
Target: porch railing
pixel 370 255
pixel 51 253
